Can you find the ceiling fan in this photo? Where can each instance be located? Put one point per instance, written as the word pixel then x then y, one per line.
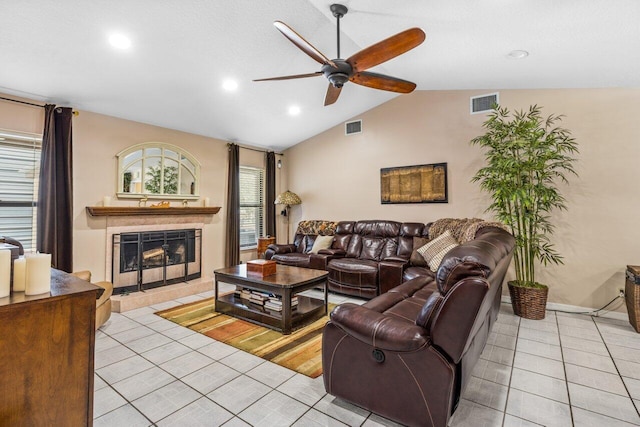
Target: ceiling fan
pixel 339 71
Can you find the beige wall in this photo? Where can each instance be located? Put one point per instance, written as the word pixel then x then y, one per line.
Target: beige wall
pixel 96 140
pixel 338 176
pixel 20 117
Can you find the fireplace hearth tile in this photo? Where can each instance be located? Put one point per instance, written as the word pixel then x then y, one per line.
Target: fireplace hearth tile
pixel 132 301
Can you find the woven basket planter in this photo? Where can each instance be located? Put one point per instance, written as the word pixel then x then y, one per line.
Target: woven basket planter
pixel 632 295
pixel 529 303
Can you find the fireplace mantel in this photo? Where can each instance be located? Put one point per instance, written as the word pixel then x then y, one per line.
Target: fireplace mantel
pixel 140 211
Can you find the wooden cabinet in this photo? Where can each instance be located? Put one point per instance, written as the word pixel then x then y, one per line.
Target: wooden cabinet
pixel 46 355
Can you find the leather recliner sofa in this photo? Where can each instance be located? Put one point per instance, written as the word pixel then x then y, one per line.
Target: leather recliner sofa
pixel 372 256
pixel 366 258
pixel 408 353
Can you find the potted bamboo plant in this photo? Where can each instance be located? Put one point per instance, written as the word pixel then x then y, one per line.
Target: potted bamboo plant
pixel 527 156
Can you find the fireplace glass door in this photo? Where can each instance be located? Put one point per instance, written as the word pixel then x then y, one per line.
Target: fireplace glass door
pixel 144 260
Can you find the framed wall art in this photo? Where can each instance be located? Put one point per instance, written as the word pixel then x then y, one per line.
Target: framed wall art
pixel 414 184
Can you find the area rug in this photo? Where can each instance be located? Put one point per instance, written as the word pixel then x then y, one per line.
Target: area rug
pixel 300 351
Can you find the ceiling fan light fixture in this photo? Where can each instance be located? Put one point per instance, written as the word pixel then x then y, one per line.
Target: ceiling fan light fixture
pixel 338 79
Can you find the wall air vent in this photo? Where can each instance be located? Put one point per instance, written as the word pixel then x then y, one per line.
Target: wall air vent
pixel 483 103
pixel 353 127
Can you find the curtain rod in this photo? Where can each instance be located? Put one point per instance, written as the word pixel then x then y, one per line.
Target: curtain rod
pixel 21 102
pixel 75 113
pixel 255 149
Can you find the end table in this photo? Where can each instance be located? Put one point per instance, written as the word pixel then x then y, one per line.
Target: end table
pixel 263 244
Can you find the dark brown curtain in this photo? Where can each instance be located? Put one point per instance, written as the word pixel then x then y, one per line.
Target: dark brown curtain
pixel 232 252
pixel 55 195
pixel 270 208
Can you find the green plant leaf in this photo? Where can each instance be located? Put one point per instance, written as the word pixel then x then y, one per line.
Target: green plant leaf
pixel 526 156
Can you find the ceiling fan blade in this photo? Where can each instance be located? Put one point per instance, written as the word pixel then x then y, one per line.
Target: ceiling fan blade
pixel 386 49
pixel 302 44
pixel 294 76
pixel 332 94
pixel 382 82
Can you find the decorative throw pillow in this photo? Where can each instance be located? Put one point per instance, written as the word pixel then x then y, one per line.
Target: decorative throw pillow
pixel 436 249
pixel 322 242
pixel 417 260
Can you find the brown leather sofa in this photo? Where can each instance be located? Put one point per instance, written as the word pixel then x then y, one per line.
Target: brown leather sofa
pixel 374 256
pixel 366 258
pixel 408 353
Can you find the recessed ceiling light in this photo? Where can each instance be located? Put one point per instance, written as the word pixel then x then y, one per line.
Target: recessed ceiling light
pixel 517 54
pixel 120 41
pixel 230 85
pixel 294 110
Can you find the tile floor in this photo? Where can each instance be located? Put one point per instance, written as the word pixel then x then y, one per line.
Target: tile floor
pixel 565 370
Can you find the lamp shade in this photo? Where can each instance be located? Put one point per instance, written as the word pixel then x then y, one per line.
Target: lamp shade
pixel 288 198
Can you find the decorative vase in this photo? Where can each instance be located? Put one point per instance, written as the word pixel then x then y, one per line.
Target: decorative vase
pixel 528 302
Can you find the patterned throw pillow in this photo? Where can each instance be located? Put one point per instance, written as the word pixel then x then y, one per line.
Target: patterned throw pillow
pixel 436 249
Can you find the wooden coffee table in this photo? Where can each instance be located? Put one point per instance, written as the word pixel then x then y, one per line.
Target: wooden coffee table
pixel 286 283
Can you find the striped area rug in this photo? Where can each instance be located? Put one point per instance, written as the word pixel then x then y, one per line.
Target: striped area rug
pixel 299 351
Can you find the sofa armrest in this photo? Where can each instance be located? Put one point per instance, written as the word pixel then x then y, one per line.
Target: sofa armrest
pixel 378 330
pixel 84 275
pixel 276 249
pixel 390 274
pixel 282 249
pixel 320 261
pixel 106 294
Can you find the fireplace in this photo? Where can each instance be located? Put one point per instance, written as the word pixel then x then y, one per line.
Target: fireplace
pixel 149 259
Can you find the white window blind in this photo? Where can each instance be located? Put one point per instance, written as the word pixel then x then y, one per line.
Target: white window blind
pixel 19 173
pixel 251 206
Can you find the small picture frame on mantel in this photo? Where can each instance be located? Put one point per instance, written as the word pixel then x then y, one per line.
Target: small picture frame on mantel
pixel 414 184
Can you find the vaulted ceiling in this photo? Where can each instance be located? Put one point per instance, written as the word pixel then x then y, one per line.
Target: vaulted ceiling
pixel 183 50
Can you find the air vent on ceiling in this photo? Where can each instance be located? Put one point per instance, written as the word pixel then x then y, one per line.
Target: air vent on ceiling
pixel 483 103
pixel 353 127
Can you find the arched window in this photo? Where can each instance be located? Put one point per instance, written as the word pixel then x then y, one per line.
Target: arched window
pixel 157 170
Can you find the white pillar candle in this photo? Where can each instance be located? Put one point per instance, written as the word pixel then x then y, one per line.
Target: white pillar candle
pixel 5 272
pixel 206 201
pixel 19 274
pixel 106 201
pixel 38 277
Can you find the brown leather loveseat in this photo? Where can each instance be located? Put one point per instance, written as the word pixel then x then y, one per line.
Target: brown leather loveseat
pixel 408 353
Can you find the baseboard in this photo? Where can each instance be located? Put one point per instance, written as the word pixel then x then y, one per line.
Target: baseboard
pixel 577 309
pixel 122 303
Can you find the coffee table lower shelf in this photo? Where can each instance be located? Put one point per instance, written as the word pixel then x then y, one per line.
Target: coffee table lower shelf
pixel 307 310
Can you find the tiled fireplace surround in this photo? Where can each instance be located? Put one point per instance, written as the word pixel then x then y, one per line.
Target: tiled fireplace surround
pixel 143 223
